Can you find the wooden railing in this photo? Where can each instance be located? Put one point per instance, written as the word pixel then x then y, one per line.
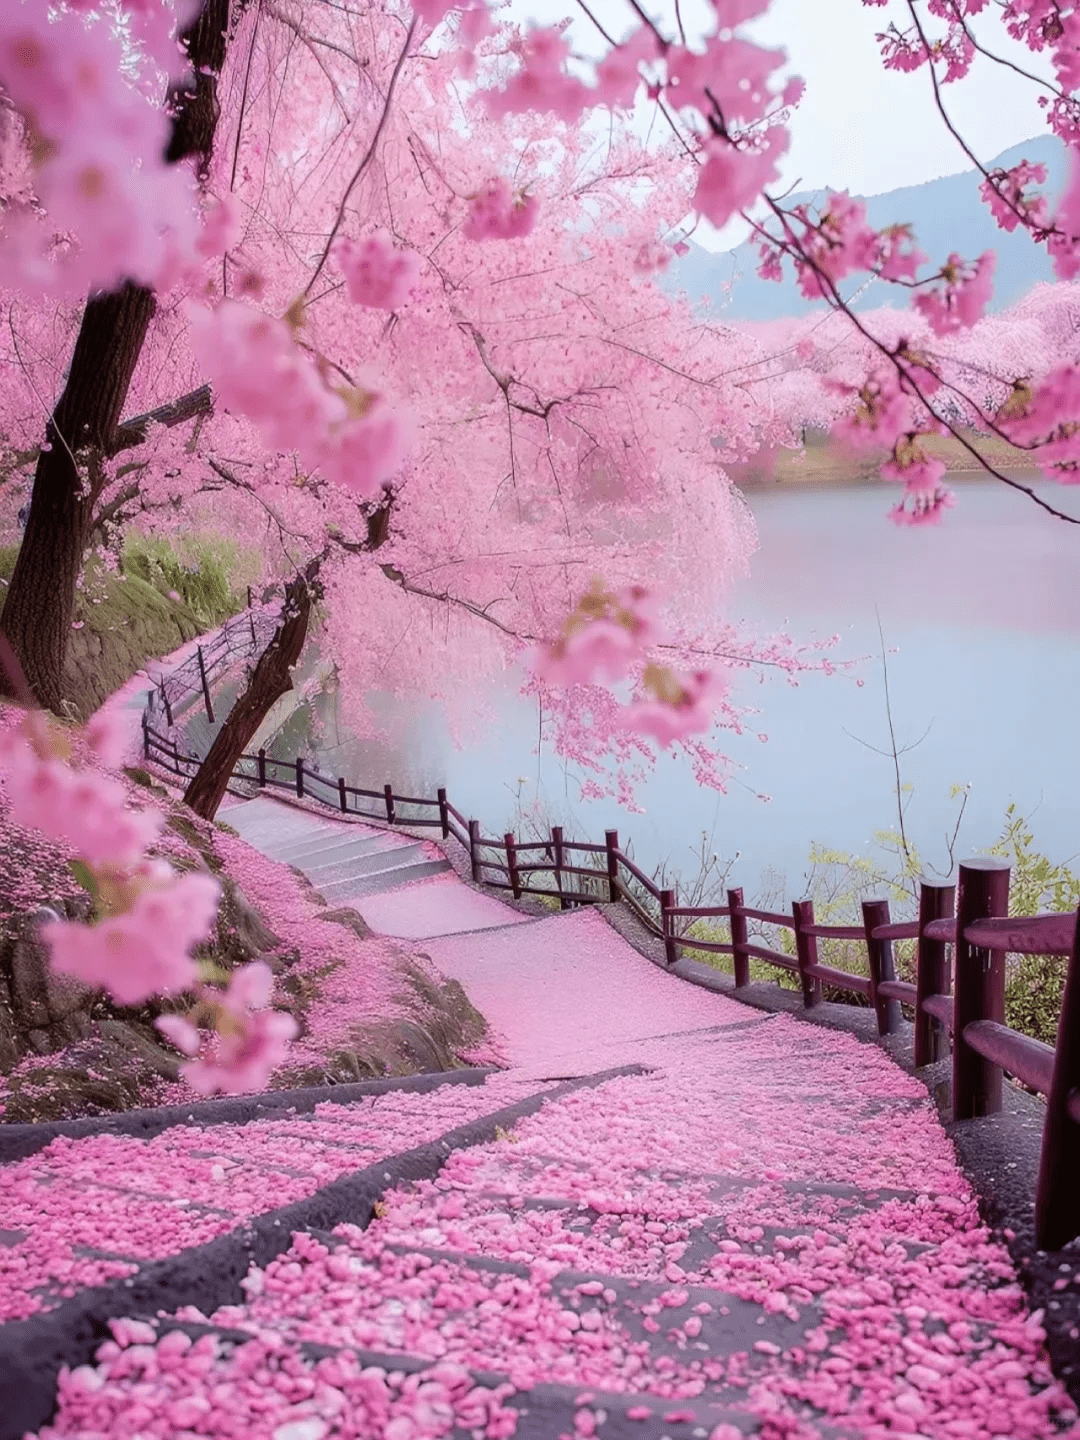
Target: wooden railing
pixel 959 1005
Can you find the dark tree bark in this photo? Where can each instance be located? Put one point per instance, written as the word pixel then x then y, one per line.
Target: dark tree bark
pixel 40 600
pixel 270 680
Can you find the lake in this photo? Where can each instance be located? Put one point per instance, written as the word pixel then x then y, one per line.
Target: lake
pixel 983 616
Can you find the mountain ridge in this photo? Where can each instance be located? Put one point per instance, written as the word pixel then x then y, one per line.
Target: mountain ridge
pixel 946 214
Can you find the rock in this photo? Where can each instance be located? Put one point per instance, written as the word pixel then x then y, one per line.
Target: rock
pixel 153 1057
pixel 43 1010
pixel 240 933
pixel 352 919
pixel 92 1078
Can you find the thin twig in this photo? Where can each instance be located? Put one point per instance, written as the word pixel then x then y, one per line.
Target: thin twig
pixel 368 155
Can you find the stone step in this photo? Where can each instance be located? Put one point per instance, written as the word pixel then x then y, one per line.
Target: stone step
pixel 392 878
pixel 263 814
pixel 282 828
pixel 545 1409
pixel 370 863
pixel 332 849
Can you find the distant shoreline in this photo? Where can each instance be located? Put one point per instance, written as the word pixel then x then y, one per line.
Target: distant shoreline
pixel 824 463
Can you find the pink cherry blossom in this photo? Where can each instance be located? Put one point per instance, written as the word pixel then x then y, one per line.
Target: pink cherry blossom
pixel 687 713
pixel 960 301
pixel 376 272
pixel 354 436
pixel 181 1032
pixel 542 83
pixel 495 213
pixel 733 177
pixel 244 1055
pixel 143 952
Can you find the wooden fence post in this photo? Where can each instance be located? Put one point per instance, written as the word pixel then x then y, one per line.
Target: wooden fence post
pixel 444 814
pixel 474 848
pixel 557 847
pixel 343 794
pixel 168 707
pixel 262 767
pixel 1057 1199
pixel 978 986
pixel 738 939
pixel 300 776
pixel 145 737
pixel 879 953
pixel 205 686
pixel 936 902
pixel 806 951
pixel 667 925
pixel 388 796
pixel 611 841
pixel 511 863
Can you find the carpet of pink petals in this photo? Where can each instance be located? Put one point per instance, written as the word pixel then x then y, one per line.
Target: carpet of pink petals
pixel 791 1180
pixel 85 1211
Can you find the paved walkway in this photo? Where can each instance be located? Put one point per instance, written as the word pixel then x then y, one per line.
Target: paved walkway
pixel 757 1228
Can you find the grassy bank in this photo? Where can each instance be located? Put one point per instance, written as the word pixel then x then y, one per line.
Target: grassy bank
pixel 161 595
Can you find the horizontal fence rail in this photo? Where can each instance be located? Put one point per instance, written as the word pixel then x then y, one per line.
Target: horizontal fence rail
pixel 962 935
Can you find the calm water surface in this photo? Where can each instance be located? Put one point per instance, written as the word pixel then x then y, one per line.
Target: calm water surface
pixel 983 617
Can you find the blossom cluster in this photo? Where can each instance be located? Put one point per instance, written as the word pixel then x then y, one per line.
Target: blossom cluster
pixel 352 435
pixel 148 917
pixel 723 91
pixel 105 205
pixel 609 636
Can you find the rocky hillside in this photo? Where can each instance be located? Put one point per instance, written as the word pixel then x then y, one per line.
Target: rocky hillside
pixel 367 1006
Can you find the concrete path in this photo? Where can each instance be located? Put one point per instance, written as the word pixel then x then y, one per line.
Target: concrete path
pixel 753 1227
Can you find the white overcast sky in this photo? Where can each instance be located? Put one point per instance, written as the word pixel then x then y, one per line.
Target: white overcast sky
pixel 859 127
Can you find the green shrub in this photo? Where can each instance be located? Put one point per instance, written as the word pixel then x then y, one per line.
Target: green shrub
pixel 1034 984
pixel 208 572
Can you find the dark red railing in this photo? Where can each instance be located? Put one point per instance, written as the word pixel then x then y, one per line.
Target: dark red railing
pixel 959 1005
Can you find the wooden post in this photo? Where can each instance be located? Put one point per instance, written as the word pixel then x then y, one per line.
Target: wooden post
pixel 205 687
pixel 511 863
pixel 262 767
pixel 936 902
pixel 168 707
pixel 388 796
pixel 1057 1199
pixel 667 925
pixel 145 737
pixel 557 846
pixel 300 776
pixel 343 796
pixel 979 986
pixel 251 620
pixel 474 848
pixel 611 840
pixel 806 951
pixel 738 939
pixel 444 814
pixel 880 955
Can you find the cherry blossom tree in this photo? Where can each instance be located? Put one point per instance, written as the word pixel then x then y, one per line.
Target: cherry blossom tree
pixel 385 278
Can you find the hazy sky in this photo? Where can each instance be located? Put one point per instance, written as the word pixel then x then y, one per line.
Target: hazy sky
pixel 859 126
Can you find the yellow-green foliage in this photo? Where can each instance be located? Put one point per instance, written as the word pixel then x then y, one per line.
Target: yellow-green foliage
pixel 1034 983
pixel 839 882
pixel 208 572
pixel 124 618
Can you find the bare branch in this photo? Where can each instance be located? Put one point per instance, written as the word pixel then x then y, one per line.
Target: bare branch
pixel 130 433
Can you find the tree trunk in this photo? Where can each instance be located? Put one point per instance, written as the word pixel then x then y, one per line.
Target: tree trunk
pixel 40 600
pixel 270 680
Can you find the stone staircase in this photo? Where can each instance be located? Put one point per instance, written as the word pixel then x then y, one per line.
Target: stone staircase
pixel 344 860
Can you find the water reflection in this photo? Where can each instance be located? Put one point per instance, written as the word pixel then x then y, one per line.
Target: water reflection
pixel 985 621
